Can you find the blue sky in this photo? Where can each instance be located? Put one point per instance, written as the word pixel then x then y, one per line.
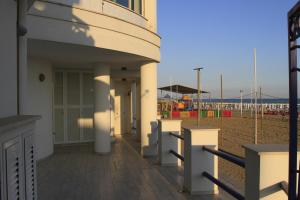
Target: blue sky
pixel 220 35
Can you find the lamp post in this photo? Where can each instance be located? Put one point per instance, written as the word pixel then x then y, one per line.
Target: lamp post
pixel 198 94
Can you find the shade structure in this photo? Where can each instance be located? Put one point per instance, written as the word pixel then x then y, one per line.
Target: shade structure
pixel 180 89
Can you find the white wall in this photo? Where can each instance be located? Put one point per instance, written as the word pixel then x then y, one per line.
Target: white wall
pixel 40 103
pixel 83 27
pixel 92 5
pixel 122 107
pixel 8 58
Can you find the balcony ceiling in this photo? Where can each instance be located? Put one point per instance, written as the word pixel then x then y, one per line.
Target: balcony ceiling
pixel 71 54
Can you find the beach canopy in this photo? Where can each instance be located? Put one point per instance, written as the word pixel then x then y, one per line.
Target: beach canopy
pixel 180 89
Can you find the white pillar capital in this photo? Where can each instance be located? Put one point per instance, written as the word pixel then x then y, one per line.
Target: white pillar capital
pixel 102 121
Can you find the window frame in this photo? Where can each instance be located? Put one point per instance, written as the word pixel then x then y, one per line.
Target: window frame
pixel 131 6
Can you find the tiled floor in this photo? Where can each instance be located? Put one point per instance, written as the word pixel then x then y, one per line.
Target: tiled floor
pixel 76 173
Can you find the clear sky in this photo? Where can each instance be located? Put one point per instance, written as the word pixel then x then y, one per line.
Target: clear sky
pixel 220 35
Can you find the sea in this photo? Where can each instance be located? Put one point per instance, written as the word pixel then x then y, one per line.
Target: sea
pixel 265 100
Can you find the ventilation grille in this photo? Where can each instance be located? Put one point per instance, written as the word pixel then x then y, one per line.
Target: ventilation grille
pixel 29 168
pixel 13 172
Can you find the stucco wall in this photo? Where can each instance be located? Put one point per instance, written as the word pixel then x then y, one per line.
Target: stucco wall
pixel 92 5
pixel 56 22
pixel 122 107
pixel 8 58
pixel 40 103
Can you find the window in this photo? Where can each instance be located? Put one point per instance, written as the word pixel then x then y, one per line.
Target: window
pixel 134 5
pixel 124 3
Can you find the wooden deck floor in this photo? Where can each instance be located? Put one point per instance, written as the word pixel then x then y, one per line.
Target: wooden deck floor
pixel 77 173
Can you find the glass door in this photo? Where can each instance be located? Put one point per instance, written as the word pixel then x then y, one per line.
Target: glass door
pixel 73 107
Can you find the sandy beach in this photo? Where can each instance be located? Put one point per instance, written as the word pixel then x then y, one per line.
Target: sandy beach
pixel 237 131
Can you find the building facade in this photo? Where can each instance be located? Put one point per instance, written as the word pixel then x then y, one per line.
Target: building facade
pixel 87 67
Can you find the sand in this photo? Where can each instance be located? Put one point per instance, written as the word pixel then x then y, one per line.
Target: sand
pixel 236 131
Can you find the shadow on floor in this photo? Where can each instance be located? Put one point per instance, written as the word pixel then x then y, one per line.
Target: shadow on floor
pixel 75 172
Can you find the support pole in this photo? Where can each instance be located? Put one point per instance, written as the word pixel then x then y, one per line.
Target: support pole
pixel 251 103
pixel 293 101
pixel 198 98
pixel 241 92
pixel 255 98
pixel 171 98
pixel 262 112
pixel 198 95
pixel 221 109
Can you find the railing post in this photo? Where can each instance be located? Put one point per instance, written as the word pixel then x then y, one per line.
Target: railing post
pixel 197 161
pixel 166 142
pixel 266 168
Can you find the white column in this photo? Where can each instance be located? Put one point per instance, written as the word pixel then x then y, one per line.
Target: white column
pixel 112 108
pixel 133 107
pixel 197 161
pixel 148 108
pixel 102 109
pixel 167 142
pixel 266 167
pixel 138 109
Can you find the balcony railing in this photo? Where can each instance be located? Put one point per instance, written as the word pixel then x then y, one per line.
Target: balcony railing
pixel 231 158
pixel 201 155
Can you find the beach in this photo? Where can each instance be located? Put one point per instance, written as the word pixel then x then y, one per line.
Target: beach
pixel 236 131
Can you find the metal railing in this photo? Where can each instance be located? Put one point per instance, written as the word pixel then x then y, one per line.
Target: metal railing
pixel 176 135
pixel 285 187
pixel 174 152
pixel 231 158
pixel 176 155
pixel 225 187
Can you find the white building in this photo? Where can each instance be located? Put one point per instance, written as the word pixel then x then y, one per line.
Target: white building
pixel 87 67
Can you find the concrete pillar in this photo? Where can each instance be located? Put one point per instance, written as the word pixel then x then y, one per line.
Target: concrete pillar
pixel 112 109
pixel 133 104
pixel 102 109
pixel 197 161
pixel 138 109
pixel 148 108
pixel 266 167
pixel 23 69
pixel 167 142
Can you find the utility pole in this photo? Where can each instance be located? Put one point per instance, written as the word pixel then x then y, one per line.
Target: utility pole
pixel 255 97
pixel 241 92
pixel 262 111
pixel 251 103
pixel 171 97
pixel 198 94
pixel 221 110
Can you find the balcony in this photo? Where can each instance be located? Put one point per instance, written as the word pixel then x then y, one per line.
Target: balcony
pixel 102 25
pixel 76 172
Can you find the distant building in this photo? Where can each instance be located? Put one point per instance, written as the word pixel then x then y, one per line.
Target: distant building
pixel 87 67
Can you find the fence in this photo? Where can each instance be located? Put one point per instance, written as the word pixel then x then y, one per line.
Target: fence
pixel 265 165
